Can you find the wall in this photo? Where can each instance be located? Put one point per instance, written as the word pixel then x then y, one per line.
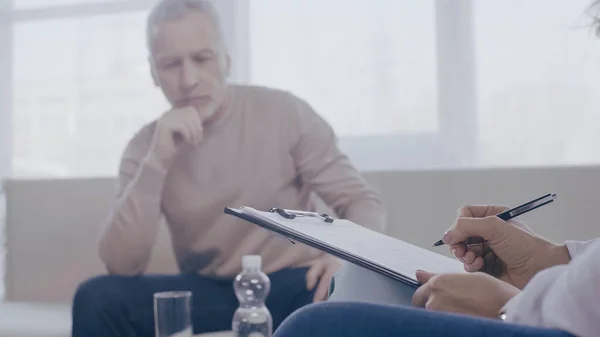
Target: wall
pixel 53 224
pixel 423 204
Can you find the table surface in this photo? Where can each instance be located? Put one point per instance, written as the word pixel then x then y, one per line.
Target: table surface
pixel 216 334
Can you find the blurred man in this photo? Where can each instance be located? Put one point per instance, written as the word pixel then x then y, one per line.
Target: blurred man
pixel 219 145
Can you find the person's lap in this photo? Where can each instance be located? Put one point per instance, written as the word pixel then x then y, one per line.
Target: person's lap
pixel 357 284
pixel 365 303
pixel 116 305
pixel 360 319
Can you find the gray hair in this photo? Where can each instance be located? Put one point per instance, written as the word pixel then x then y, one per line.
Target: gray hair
pixel 594 13
pixel 175 9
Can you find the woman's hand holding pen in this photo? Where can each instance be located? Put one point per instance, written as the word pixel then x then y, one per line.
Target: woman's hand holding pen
pixel 510 250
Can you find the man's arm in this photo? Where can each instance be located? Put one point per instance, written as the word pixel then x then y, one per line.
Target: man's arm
pixel 563 297
pixel 131 229
pixel 329 172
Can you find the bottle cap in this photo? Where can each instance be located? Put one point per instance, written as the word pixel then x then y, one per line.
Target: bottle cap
pixel 251 261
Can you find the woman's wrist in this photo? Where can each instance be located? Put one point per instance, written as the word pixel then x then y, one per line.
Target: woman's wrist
pixel 553 255
pixel 544 255
pixel 560 255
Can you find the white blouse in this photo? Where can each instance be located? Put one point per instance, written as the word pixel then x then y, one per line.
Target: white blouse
pixel 565 297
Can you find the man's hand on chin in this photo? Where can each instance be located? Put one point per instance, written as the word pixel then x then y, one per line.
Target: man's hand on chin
pixel 320 274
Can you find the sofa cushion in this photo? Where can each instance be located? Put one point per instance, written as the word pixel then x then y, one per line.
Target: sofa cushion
pixel 21 319
pixel 66 234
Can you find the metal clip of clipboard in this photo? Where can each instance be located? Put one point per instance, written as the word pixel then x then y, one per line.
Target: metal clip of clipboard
pixel 290 214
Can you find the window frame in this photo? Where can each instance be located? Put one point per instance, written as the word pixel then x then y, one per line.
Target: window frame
pixel 6 46
pixel 454 144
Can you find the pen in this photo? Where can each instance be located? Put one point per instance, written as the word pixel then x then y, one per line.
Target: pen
pixel 519 210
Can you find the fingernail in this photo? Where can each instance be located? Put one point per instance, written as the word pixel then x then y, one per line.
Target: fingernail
pixel 447 237
pixel 454 252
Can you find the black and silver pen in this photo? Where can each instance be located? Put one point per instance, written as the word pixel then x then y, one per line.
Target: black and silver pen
pixel 520 210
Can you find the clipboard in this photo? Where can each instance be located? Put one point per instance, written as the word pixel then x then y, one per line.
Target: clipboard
pixel 374 258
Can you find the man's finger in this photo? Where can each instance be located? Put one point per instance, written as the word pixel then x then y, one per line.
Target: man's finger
pixel 198 131
pixel 313 275
pixel 323 287
pixel 181 136
pixel 193 135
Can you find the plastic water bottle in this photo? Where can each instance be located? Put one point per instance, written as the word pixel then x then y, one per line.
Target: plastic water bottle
pixel 252 318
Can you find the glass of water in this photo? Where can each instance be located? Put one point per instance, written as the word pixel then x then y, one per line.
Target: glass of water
pixel 173 314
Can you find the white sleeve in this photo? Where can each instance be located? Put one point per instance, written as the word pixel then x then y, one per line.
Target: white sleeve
pixel 565 297
pixel 577 247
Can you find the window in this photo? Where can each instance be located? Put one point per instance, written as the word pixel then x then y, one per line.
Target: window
pixel 431 83
pixel 538 67
pixel 384 74
pixel 35 4
pixel 80 92
pixel 367 67
pixel 74 87
pixel 511 82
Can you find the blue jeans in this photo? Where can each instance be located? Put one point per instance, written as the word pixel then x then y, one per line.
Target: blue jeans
pixel 361 319
pixel 123 306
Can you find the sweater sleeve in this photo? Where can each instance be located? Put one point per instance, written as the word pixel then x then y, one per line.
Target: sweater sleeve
pixel 330 173
pixel 563 297
pixel 130 231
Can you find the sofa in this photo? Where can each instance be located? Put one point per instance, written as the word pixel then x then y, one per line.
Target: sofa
pixel 52 227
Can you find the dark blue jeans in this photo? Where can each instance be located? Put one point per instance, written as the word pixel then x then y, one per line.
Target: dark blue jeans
pixel 352 319
pixel 123 306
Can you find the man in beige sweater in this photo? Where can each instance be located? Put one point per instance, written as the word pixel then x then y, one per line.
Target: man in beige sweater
pixel 220 145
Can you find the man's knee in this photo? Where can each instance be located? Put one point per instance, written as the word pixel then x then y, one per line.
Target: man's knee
pixel 98 292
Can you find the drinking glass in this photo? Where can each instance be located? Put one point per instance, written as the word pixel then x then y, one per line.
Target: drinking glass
pixel 172 314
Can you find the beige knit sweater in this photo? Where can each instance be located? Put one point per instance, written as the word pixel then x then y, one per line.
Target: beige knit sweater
pixel 269 149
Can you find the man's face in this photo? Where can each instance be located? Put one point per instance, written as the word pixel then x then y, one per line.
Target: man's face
pixel 189 63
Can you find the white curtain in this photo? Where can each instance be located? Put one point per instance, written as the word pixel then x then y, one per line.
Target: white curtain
pixel 405 83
